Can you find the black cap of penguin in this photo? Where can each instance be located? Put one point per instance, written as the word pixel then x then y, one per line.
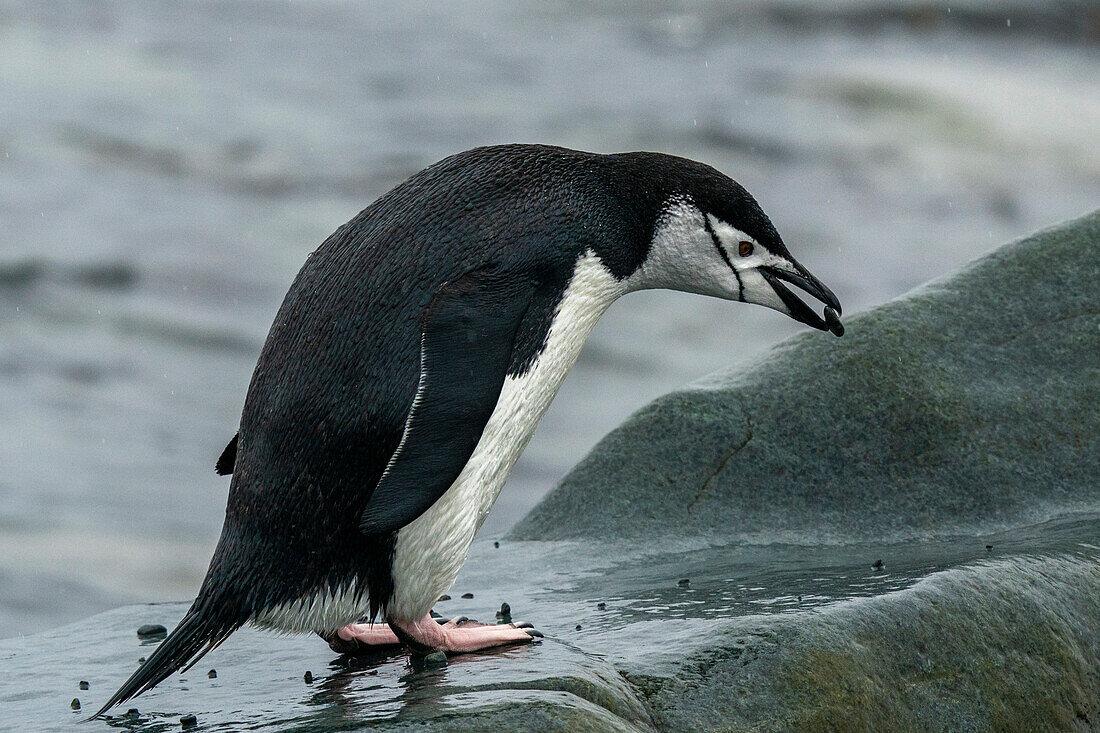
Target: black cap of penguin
pixel 442 287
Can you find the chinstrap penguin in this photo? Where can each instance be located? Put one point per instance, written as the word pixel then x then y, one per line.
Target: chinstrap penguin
pixel 410 362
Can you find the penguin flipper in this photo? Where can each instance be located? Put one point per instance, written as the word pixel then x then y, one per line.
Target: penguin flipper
pixel 467 335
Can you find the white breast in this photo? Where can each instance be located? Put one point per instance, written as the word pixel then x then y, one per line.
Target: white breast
pixel 431 550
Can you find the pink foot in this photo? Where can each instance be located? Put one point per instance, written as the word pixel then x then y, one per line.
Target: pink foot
pixel 458 635
pixel 354 637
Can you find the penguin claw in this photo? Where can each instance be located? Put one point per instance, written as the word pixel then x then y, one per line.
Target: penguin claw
pixel 533 633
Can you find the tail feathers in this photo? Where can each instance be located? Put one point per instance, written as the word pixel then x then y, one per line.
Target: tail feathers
pixel 187 644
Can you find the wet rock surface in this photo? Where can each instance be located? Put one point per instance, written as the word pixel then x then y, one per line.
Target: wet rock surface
pixel 897 530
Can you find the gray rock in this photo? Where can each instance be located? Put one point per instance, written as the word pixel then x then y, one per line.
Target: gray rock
pixel 1003 646
pixel 895 531
pixel 968 405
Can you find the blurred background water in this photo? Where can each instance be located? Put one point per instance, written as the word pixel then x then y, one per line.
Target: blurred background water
pixel 165 169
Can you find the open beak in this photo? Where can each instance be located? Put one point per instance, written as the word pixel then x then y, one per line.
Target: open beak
pixel 798 309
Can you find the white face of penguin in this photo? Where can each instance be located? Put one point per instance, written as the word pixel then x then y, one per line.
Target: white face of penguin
pixel 696 252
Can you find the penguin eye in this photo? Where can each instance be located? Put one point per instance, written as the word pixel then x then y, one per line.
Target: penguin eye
pixel 744 249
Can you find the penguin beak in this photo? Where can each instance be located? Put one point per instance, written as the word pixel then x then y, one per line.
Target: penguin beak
pixel 798 310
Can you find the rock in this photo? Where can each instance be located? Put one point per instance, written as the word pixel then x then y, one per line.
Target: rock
pixel 308 677
pixel 467 595
pixel 148 631
pixel 75 704
pixel 778 632
pixel 189 721
pixel 212 674
pixel 84 685
pixel 968 405
pixel 991 647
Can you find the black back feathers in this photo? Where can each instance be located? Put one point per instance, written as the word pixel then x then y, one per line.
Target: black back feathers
pixel 228 458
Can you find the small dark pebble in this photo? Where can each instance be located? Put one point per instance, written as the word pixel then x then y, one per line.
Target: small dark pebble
pixel 832 320
pixel 188 721
pixel 505 610
pixel 308 677
pixel 878 565
pixel 578 627
pixel 141 660
pixel 601 606
pixel 467 595
pixel 683 582
pixel 212 674
pixel 444 597
pixel 989 547
pixel 800 599
pixel 496 544
pixel 83 684
pixel 149 630
pixel 436 659
pixel 133 713
pixel 75 704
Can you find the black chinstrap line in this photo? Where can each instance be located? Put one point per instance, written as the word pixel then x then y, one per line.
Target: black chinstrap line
pixel 725 258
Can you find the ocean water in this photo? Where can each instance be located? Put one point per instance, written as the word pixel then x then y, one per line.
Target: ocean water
pixel 166 168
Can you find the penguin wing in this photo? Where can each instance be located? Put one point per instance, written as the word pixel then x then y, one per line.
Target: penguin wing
pixel 467 335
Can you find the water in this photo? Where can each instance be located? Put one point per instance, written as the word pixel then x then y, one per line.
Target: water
pixel 164 170
pixel 560 586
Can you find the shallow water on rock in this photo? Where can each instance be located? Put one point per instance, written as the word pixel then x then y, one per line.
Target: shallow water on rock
pixel 650 621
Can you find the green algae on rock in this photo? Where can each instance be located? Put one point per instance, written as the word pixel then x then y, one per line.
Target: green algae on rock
pixel 1007 645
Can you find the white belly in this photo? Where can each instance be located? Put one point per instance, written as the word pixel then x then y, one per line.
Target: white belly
pixel 432 549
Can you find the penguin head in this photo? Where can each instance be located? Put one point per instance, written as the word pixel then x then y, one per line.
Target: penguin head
pixel 712 238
